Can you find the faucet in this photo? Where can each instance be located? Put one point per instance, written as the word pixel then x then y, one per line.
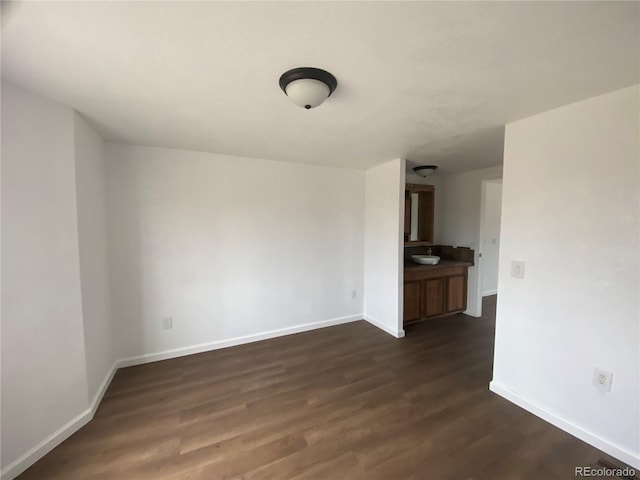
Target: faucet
pixel 429 251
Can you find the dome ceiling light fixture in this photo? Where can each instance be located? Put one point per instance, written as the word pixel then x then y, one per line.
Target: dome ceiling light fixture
pixel 308 87
pixel 425 170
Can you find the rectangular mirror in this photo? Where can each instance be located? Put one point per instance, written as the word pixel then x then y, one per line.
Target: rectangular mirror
pixel 419 213
pixel 415 205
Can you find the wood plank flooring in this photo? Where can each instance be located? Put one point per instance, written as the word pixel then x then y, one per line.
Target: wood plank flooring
pixel 345 402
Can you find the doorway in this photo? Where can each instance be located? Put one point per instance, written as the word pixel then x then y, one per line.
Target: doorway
pixel 489 239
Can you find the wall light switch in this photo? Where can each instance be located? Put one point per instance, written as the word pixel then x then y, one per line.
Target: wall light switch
pixel 602 380
pixel 517 269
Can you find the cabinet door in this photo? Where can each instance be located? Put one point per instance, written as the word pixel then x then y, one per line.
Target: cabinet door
pixel 412 301
pixel 433 290
pixel 456 293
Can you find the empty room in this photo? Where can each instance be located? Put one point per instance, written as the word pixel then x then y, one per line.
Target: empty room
pixel 320 240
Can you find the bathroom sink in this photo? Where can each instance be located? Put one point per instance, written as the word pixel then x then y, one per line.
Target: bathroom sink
pixel 426 259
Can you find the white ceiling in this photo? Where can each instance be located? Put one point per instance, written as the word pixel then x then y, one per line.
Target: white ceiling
pixel 430 81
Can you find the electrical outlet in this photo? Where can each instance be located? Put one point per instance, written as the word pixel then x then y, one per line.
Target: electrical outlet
pixel 602 380
pixel 167 323
pixel 517 269
pixel 354 294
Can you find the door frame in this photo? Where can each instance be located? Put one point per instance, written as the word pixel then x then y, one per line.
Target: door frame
pixel 480 260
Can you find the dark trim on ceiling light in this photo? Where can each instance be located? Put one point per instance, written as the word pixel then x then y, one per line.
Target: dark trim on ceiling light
pixel 425 167
pixel 308 72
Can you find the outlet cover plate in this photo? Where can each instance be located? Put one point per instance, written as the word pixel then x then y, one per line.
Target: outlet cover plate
pixel 602 379
pixel 517 269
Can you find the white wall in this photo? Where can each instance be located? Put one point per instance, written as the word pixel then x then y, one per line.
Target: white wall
pixel 570 211
pixel 384 226
pixel 94 264
pixel 462 200
pixel 230 247
pixel 490 237
pixel 44 378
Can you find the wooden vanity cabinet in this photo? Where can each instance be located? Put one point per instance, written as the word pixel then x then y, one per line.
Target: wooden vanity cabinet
pixel 434 292
pixel 456 293
pixel 412 301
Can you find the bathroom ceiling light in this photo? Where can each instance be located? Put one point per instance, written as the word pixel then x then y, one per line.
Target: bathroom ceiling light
pixel 308 87
pixel 425 170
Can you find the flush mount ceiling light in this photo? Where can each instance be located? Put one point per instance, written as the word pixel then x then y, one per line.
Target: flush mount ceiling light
pixel 308 87
pixel 425 170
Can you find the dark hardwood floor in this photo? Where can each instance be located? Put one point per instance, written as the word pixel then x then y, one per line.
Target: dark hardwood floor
pixel 346 402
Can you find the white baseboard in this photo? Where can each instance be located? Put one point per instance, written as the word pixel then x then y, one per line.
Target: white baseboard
pixel 18 466
pixel 231 342
pixel 624 455
pixel 97 398
pixel 391 331
pixel 489 292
